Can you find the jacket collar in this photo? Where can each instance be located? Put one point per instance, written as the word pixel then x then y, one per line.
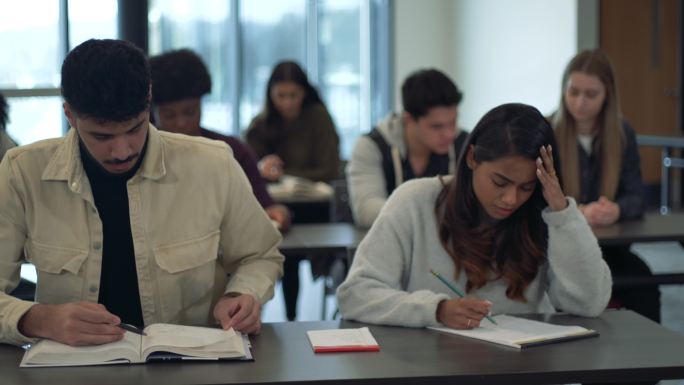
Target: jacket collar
pixel 66 165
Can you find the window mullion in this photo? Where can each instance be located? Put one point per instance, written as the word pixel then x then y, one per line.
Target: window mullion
pixel 312 42
pixel 234 55
pixel 64 45
pixel 365 65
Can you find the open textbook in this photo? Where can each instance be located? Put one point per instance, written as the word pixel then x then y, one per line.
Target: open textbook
pixel 292 187
pixel 521 332
pixel 162 342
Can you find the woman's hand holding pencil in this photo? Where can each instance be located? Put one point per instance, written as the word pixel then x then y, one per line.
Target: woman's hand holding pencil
pixel 463 312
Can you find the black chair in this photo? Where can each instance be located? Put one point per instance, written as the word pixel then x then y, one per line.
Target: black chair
pixel 340 210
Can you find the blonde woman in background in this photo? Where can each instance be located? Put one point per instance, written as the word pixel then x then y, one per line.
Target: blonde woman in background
pixel 601 166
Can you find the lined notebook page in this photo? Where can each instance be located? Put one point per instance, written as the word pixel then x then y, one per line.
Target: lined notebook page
pixel 518 332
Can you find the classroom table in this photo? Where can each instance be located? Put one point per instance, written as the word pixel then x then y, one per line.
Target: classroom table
pixel 321 239
pixel 324 239
pixel 653 227
pixel 322 243
pixel 312 204
pixel 335 237
pixel 629 348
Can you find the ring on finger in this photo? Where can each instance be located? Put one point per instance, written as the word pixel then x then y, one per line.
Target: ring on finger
pixel 552 173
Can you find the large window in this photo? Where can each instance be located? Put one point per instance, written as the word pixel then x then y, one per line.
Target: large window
pixel 204 26
pixel 270 32
pixel 31 62
pixel 340 59
pixel 34 38
pixel 336 41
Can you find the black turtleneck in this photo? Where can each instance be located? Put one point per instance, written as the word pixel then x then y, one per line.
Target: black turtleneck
pixel 119 291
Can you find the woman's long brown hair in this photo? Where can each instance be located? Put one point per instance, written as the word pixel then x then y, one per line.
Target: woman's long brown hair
pixel 610 137
pixel 512 249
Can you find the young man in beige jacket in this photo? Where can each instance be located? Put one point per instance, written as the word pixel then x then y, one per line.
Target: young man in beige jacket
pixel 125 223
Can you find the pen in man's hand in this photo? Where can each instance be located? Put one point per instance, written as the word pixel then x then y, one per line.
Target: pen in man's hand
pixel 455 290
pixel 131 328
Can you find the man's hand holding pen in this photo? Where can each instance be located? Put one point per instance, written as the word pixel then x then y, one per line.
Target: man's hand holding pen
pixel 75 323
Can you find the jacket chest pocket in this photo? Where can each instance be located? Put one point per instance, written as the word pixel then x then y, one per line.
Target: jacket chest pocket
pixel 185 273
pixel 59 270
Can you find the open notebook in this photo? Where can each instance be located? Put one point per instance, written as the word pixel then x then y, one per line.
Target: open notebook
pixel 162 342
pixel 521 332
pixel 290 187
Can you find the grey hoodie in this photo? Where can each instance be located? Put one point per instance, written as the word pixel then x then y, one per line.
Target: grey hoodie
pixel 365 177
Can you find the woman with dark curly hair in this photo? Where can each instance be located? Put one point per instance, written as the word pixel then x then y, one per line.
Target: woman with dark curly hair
pixel 502 230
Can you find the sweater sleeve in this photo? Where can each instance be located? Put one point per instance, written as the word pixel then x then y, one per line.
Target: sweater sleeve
pixel 366 182
pixel 579 279
pixel 326 148
pixel 375 291
pixel 630 193
pixel 256 137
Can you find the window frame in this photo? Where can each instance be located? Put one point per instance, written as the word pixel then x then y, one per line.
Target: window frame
pixel 376 95
pixel 376 41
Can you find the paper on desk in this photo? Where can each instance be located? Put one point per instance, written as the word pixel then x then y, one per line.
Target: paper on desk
pixel 521 332
pixel 342 340
pixel 296 187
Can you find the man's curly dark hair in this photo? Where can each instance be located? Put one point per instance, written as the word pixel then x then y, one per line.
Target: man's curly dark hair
pixel 178 75
pixel 4 113
pixel 107 80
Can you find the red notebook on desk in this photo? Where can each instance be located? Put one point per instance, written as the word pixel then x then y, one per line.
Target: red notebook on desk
pixel 342 340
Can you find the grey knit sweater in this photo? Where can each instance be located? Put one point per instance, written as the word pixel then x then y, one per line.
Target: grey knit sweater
pixel 390 282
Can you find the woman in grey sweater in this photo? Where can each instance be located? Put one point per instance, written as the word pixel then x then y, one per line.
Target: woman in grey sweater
pixel 501 230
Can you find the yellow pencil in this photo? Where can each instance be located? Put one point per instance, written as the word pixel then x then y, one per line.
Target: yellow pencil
pixel 455 290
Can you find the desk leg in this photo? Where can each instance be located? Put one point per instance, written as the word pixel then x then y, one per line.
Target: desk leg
pixel 665 181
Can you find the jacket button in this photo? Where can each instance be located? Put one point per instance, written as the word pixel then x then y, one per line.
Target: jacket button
pixel 93 289
pixel 97 245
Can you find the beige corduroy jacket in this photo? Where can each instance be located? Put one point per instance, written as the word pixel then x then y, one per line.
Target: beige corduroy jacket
pixel 198 232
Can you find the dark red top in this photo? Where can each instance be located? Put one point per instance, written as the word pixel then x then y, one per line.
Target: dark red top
pixel 247 160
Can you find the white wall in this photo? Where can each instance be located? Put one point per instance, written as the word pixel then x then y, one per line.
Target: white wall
pixel 496 51
pixel 423 38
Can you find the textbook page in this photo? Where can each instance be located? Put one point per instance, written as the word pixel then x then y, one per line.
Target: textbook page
pixel 162 342
pixel 195 341
pixel 520 332
pixel 295 187
pixel 52 353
